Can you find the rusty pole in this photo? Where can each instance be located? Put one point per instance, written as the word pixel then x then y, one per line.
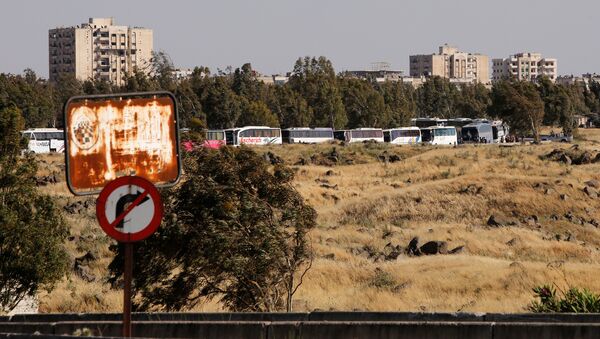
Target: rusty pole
pixel 128 273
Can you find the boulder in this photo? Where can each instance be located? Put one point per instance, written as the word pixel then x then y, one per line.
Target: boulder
pixel 329 186
pixel 383 157
pixel 434 247
pixel 565 159
pixel 85 259
pixel 591 192
pixel 84 273
pixel 392 256
pixel 76 207
pixel 329 256
pixel 585 158
pixel 593 183
pixel 46 180
pixel 457 250
pixel 394 158
pixel 273 159
pixel 413 247
pixel 532 220
pixel 496 221
pixel 301 162
pixel 471 189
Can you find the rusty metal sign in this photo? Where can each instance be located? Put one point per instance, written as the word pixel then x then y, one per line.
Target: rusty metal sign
pixel 111 136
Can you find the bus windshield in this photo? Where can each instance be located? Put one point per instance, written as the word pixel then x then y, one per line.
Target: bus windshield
pixel 444 132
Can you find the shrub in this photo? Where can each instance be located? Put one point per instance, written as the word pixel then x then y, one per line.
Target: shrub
pixel 32 231
pixel 574 300
pixel 382 279
pixel 235 229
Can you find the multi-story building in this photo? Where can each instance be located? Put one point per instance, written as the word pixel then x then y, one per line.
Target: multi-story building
pixel 99 50
pixel 584 79
pixel 452 64
pixel 524 66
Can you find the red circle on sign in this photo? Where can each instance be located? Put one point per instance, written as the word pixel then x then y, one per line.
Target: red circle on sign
pixel 109 228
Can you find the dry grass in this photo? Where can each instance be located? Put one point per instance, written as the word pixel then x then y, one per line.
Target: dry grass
pixel 377 203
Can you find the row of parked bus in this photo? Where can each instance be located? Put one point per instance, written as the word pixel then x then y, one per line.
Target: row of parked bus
pixel 475 131
pixel 428 131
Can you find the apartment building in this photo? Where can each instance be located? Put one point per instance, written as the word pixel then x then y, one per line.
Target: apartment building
pixel 524 66
pixel 584 79
pixel 452 64
pixel 99 49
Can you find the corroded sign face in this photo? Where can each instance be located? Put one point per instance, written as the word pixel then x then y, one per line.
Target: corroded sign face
pixel 121 135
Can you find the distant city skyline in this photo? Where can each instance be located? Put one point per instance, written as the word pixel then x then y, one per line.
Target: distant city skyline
pixel 272 34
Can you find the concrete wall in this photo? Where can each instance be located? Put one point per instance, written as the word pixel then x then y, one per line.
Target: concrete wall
pixel 315 325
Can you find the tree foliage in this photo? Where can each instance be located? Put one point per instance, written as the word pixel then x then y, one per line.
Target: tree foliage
pixel 315 96
pixel 233 230
pixel 363 104
pixel 32 232
pixel 573 300
pixel 315 80
pixel 520 105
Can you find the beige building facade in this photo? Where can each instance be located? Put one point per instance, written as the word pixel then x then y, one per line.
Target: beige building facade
pixel 100 50
pixel 524 66
pixel 452 64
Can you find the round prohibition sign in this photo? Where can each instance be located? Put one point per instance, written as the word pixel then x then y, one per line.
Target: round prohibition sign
pixel 129 209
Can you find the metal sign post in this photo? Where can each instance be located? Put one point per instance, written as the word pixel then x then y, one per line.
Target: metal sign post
pixel 121 146
pixel 129 209
pixel 127 276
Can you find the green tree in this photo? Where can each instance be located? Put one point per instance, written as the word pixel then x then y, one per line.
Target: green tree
pixel 473 101
pixel 162 68
pixel 222 106
pixel 99 86
pixel 399 98
pixel 364 106
pixel 190 106
pixel 291 108
pixel 33 96
pixel 592 99
pixel 139 81
pixel 32 232
pixel 558 107
pixel 315 80
pixel 519 104
pixel 256 113
pixel 245 84
pixel 437 98
pixel 234 230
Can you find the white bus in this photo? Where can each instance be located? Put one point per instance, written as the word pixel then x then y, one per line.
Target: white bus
pixel 500 131
pixel 428 122
pixel 305 135
pixel 402 135
pixel 44 140
pixel 437 135
pixel 253 135
pixel 360 135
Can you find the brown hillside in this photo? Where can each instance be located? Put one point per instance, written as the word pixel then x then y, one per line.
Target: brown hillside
pixel 370 208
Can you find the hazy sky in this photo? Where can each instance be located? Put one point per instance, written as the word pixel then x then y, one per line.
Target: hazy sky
pixel 272 34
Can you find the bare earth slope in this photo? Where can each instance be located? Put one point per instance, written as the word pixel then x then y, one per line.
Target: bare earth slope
pixel 545 228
